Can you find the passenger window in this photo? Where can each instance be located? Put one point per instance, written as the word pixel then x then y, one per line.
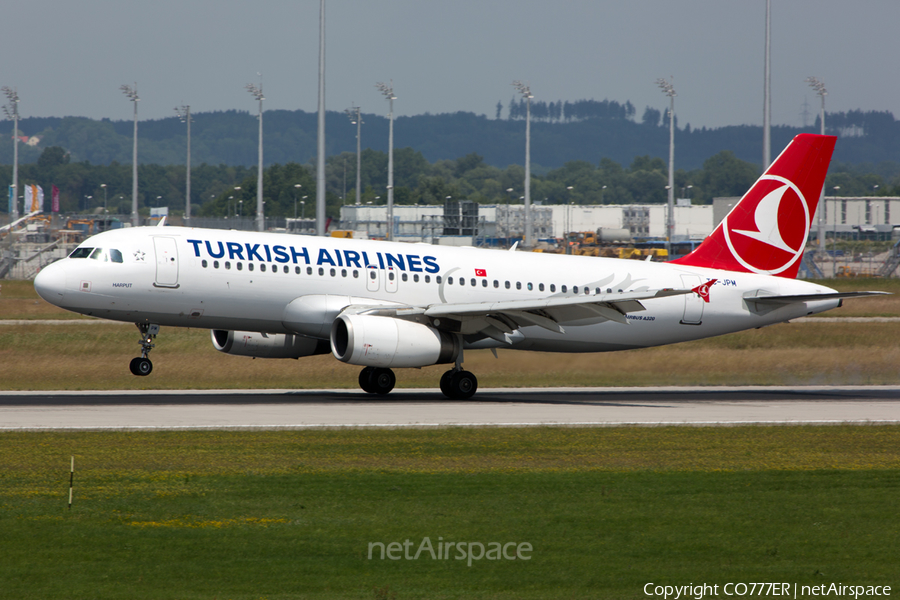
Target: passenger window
pixel 332 272
pixel 115 256
pixel 530 287
pixel 404 277
pixel 249 266
pixel 507 285
pixel 297 270
pixel 286 270
pixel 563 289
pixel 541 287
pixel 462 281
pixel 262 267
pixel 81 253
pixel 391 275
pixel 587 291
pixel 518 285
pixel 372 275
pixel 227 265
pixel 449 281
pixel 496 283
pixel 437 279
pixel 343 272
pixel 240 266
pixel 484 283
pixel 472 281
pixel 321 271
pixel 204 263
pixel 355 274
pixel 428 279
pixel 215 264
pixel 552 287
pixel 416 278
pixel 309 270
pixel 575 289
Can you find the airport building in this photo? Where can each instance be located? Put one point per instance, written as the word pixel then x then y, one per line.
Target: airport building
pixel 487 223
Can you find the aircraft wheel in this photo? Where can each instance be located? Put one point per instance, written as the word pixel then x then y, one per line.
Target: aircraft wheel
pixel 382 381
pixel 365 377
pixel 445 383
pixel 141 366
pixel 463 385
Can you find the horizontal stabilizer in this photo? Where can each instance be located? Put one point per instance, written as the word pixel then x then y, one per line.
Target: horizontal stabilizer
pixel 811 297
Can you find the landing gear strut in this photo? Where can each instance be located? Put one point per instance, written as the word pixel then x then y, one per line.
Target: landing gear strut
pixel 141 365
pixel 375 380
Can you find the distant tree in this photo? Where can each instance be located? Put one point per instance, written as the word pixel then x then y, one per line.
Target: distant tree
pixel 651 117
pixel 499 109
pixel 725 175
pixel 647 163
pixel 53 156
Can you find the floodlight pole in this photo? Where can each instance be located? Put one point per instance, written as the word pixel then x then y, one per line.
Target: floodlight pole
pixel 820 90
pixel 354 113
pixel 767 92
pixel 388 92
pixel 669 90
pixel 12 112
pixel 257 93
pixel 132 94
pixel 525 90
pixel 184 113
pixel 320 143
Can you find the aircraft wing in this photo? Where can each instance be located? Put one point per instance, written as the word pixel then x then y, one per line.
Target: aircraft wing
pixel 497 319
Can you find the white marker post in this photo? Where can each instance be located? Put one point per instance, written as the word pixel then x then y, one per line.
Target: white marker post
pixel 71 481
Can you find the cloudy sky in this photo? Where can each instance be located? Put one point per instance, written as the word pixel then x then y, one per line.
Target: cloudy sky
pixel 69 58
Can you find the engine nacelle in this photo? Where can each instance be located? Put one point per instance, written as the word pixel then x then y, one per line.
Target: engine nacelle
pixel 372 341
pixel 267 345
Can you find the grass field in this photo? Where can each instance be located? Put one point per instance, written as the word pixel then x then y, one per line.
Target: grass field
pixel 95 356
pixel 291 514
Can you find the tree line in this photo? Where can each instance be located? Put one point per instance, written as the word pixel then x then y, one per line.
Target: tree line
pixel 289 189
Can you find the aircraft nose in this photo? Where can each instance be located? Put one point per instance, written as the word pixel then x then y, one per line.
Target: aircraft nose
pixel 50 284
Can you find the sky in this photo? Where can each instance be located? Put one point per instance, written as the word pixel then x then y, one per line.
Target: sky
pixel 70 58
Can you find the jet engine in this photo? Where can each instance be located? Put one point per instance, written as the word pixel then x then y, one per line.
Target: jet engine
pixel 267 345
pixel 373 341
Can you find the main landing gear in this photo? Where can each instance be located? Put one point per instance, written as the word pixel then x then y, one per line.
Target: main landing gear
pixel 141 365
pixel 375 380
pixel 456 383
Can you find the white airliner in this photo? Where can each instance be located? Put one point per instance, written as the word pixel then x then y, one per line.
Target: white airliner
pixel 383 305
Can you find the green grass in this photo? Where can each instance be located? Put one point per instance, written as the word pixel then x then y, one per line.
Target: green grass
pixel 290 514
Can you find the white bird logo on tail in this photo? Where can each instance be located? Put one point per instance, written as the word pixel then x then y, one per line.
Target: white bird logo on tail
pixel 766 219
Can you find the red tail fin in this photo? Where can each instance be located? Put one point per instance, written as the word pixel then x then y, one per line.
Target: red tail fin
pixel 766 231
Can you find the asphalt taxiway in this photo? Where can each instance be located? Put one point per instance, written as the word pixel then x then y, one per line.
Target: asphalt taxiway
pixel 228 409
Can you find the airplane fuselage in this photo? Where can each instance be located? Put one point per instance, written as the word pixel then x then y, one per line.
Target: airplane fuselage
pixel 234 280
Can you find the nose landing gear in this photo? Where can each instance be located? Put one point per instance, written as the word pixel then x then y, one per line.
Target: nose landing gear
pixel 141 365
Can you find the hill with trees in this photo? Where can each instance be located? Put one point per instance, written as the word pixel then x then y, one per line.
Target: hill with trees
pixel 562 132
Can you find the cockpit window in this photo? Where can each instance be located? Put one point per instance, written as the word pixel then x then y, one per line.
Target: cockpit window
pixel 99 254
pixel 115 256
pixel 81 253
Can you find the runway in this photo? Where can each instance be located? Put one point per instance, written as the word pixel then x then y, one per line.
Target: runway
pixel 311 409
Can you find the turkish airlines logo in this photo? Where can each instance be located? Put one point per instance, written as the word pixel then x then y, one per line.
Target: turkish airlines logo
pixel 702 290
pixel 767 235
